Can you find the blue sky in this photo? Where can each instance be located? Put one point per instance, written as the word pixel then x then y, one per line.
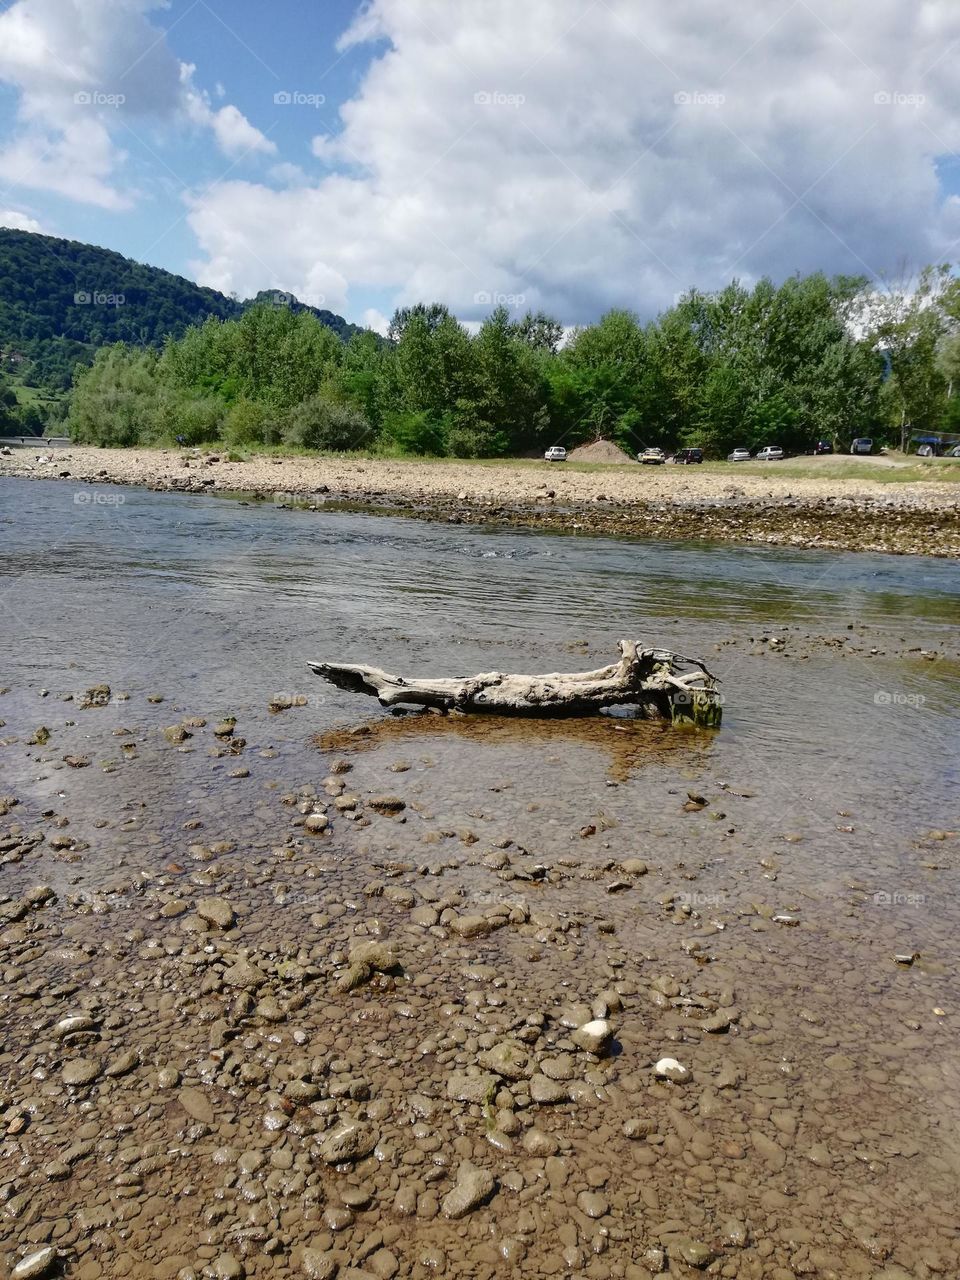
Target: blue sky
pixel 569 154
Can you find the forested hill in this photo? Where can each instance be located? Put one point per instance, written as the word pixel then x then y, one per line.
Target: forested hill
pixel 61 299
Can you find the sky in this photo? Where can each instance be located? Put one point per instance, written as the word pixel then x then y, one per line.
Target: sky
pixel 570 155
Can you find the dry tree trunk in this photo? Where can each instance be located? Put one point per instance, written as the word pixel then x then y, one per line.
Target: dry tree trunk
pixel 653 680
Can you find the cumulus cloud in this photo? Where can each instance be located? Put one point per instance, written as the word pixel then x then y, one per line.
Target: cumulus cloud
pixel 234 133
pixel 579 156
pixel 85 69
pixel 14 220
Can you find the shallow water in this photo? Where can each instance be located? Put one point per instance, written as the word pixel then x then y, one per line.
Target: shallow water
pixel 831 799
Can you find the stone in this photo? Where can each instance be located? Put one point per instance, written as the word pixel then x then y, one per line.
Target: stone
pixel 244 974
pixel 80 1071
pixel 389 805
pixel 197 1105
pixel 594 1036
pixel 34 1264
pixel 546 1091
pixel 217 911
pixel 464 1088
pixel 592 1204
pixel 693 1252
pixel 316 823
pixel 473 1187
pixel 381 956
pixel 671 1069
pixel 352 1140
pixel 123 1063
pixel 228 1267
pixel 508 1059
pixel 317 1265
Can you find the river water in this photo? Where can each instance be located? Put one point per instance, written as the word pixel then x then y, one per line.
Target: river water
pixel 825 845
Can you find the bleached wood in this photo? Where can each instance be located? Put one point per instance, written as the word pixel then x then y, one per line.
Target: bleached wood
pixel 653 680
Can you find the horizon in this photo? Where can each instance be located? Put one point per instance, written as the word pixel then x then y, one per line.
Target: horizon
pixel 573 158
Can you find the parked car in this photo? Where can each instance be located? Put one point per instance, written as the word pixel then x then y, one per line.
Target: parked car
pixel 770 453
pixel 954 452
pixel 862 444
pixel 823 446
pixel 688 456
pixel 556 453
pixel 652 457
pixel 739 455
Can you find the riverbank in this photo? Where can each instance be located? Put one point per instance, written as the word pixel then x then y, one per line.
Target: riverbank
pixel 296 987
pixel 839 509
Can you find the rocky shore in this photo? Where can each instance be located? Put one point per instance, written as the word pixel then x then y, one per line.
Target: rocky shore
pixel 283 1022
pixel 775 508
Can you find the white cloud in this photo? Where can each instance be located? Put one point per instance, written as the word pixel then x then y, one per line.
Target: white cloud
pixel 234 133
pixel 14 220
pixel 85 70
pixel 375 320
pixel 583 156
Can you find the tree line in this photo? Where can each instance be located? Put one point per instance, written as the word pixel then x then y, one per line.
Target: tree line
pixel 810 359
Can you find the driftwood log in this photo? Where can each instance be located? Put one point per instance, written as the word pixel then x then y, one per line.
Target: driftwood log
pixel 657 682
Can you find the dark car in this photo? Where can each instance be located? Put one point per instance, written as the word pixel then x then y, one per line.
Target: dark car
pixel 823 446
pixel 688 455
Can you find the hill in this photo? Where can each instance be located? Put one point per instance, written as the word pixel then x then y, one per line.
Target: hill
pixel 61 299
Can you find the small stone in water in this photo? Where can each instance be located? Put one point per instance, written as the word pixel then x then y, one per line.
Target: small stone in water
pixel 671 1069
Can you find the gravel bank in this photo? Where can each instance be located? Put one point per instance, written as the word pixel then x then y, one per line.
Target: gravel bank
pixel 843 513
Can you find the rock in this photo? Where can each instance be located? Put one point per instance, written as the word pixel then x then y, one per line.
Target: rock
pixel 693 1252
pixel 80 1071
pixel 352 1140
pixel 217 911
pixel 594 1036
pixel 538 1143
pixel 35 1264
pixel 227 1267
pixel 388 805
pixel 716 1023
pixel 473 926
pixel 97 695
pixel 355 976
pixel 316 823
pixel 317 1265
pixel 73 1023
pixel 383 1264
pixel 592 1204
pixel 546 1091
pixel 634 867
pixel 464 1088
pixel 197 1105
pixel 473 1187
pixel 176 733
pixel 381 956
pixel 244 974
pixel 508 1059
pixel 768 1150
pixel 123 1063
pixel 168 1078
pixel 671 1069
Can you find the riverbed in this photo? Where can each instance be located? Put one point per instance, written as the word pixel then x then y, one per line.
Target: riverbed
pixel 330 963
